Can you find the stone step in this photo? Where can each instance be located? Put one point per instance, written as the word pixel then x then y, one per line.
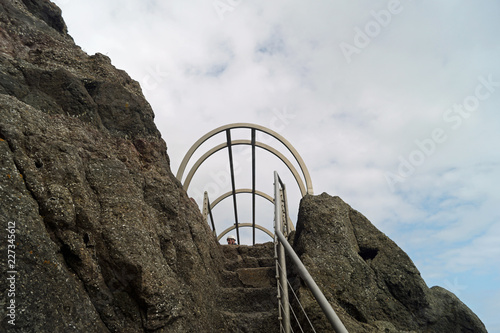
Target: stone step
pixel 247 299
pixel 255 322
pixel 248 293
pixel 250 262
pixel 255 251
pixel 244 256
pixel 259 277
pixel 229 279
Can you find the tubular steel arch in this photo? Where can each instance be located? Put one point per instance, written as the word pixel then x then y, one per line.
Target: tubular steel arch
pixel 288 145
pixel 241 190
pixel 242 225
pixel 212 151
pixel 305 183
pixel 248 190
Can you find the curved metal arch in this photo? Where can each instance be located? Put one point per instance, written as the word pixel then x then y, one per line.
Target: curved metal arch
pixel 241 190
pixel 248 190
pixel 272 150
pixel 242 225
pixel 268 131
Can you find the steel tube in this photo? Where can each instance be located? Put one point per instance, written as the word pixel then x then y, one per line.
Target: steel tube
pixel 210 214
pixel 272 133
pixel 253 185
pixel 284 286
pixel 288 163
pixel 245 225
pixel 278 225
pixel 233 186
pixel 320 298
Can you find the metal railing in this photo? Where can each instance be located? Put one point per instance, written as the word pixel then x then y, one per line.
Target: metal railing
pixel 282 222
pixel 282 245
pixel 301 174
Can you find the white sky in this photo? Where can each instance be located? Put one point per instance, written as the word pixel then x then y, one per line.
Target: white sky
pixel 393 105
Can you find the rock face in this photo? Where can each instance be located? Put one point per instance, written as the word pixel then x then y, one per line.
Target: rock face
pixel 106 240
pixel 373 285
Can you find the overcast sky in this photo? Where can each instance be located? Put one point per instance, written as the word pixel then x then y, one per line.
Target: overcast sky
pixel 393 105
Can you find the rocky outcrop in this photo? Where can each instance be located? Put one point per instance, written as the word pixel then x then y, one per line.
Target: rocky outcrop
pixel 43 68
pixel 373 285
pixel 106 240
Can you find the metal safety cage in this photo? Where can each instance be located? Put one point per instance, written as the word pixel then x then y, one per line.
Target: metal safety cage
pixel 302 178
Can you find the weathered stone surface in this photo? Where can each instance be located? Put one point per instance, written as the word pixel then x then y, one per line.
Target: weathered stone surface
pixel 42 67
pixel 95 221
pixel 257 277
pixel 373 285
pixel 106 239
pixel 248 297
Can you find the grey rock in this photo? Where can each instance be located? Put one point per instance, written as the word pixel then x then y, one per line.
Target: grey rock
pixel 372 284
pixel 42 67
pixel 248 295
pixel 106 238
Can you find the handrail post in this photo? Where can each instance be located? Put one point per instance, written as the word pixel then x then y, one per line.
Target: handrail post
pixel 253 185
pixel 205 206
pixel 233 186
pixel 278 226
pixel 207 211
pixel 284 286
pixel 280 214
pixel 332 317
pixel 280 315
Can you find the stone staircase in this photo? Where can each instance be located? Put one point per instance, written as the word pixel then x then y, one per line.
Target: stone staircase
pixel 247 295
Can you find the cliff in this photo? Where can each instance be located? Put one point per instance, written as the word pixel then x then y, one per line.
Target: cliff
pixel 106 240
pixel 105 237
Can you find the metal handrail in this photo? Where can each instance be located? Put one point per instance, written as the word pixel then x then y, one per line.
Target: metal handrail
pixel 280 251
pixel 282 243
pixel 207 211
pixel 318 295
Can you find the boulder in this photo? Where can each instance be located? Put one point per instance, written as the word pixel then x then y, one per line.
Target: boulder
pixel 371 283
